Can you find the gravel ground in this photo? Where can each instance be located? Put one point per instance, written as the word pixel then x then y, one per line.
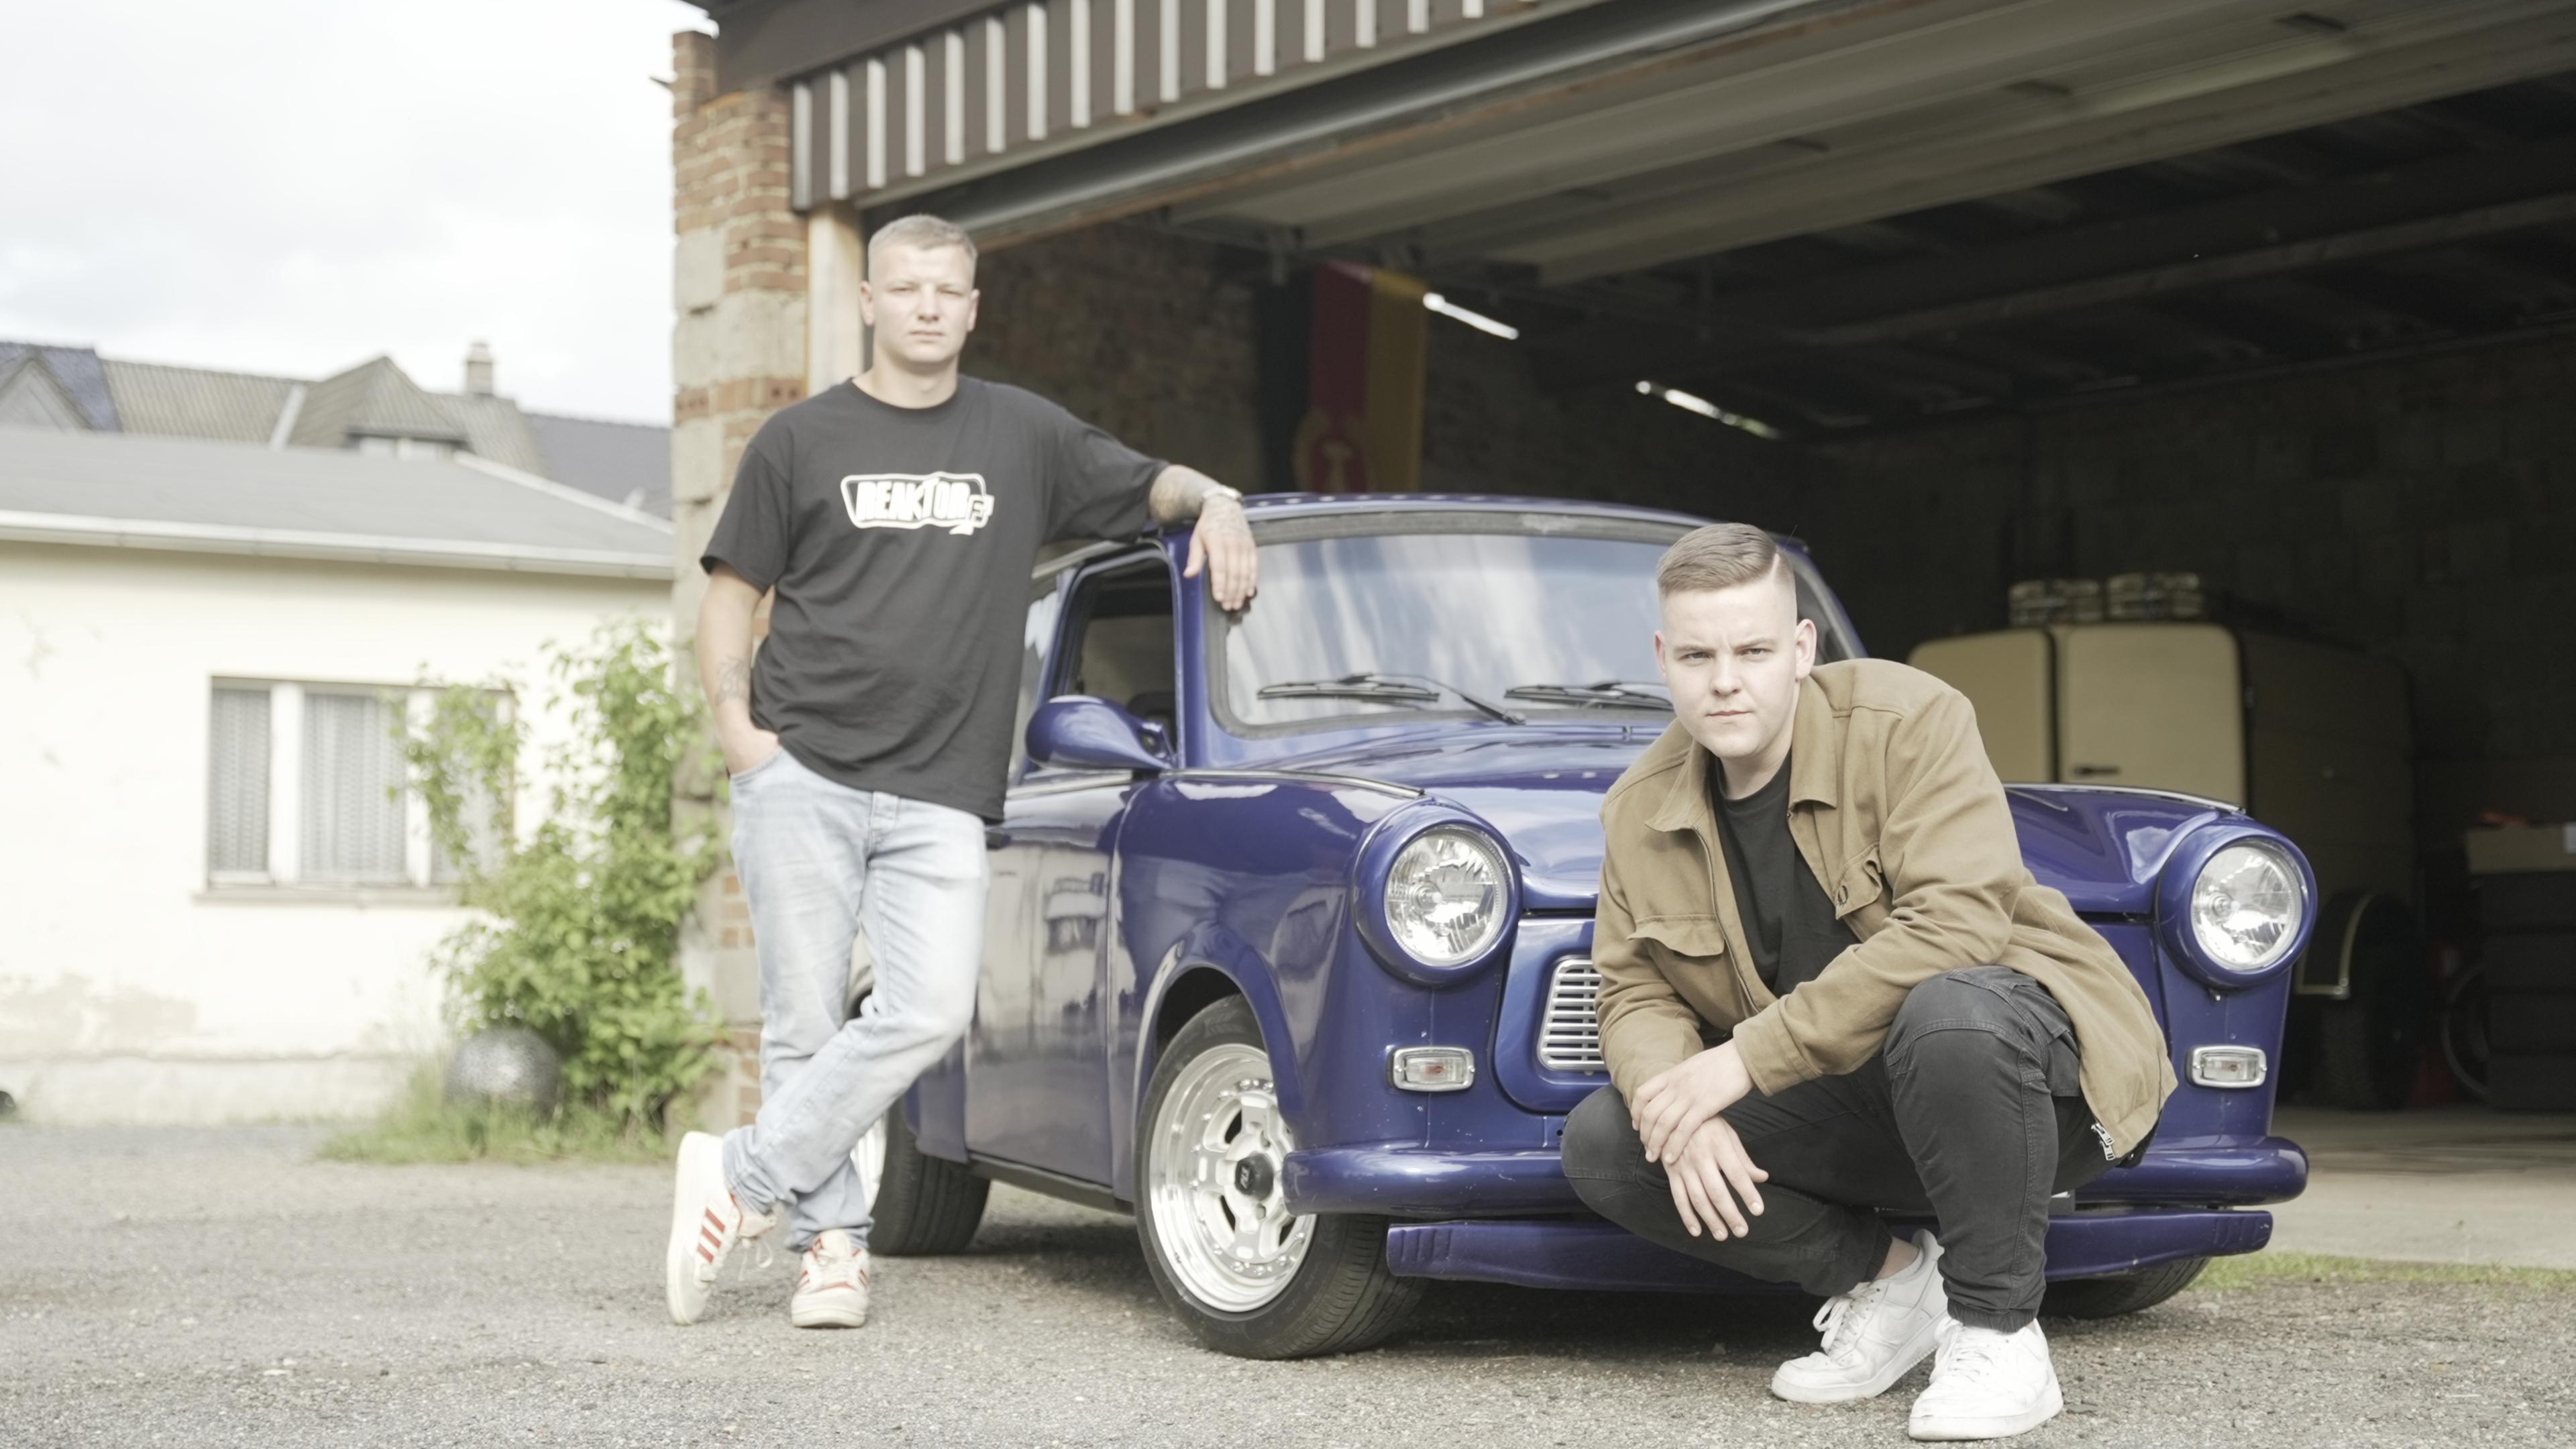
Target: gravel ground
pixel 221 1287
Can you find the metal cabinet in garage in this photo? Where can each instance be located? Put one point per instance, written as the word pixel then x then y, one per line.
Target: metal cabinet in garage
pixel 2309 738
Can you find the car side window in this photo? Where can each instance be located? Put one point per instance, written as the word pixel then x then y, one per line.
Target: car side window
pixel 1120 646
pixel 1811 606
pixel 1046 603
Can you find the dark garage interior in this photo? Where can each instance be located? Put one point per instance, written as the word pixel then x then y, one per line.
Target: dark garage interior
pixel 2252 322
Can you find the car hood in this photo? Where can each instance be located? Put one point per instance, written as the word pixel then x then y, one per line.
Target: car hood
pixel 1541 789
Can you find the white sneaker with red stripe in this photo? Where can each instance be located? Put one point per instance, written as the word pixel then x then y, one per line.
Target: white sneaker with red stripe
pixel 832 1291
pixel 706 1222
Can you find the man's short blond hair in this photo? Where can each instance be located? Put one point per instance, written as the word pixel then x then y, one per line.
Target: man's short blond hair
pixel 1719 556
pixel 921 232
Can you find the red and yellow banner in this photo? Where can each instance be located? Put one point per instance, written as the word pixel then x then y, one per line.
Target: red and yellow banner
pixel 1362 431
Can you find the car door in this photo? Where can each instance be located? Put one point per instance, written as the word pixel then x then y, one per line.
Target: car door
pixel 938 1099
pixel 1038 1058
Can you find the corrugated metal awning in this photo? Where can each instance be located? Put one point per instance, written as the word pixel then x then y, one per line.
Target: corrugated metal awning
pixel 1037 78
pixel 1832 213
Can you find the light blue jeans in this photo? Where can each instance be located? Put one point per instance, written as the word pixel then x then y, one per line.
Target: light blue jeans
pixel 818 861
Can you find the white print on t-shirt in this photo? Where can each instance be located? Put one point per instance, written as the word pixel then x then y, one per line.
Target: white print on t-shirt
pixel 953 501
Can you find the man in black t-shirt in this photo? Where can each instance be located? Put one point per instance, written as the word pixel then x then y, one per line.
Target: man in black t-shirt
pixel 1789 921
pixel 897 518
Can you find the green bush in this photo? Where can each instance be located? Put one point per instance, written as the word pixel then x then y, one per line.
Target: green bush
pixel 423 1126
pixel 578 925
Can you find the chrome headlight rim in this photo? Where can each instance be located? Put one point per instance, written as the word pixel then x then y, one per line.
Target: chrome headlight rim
pixel 1379 858
pixel 2179 885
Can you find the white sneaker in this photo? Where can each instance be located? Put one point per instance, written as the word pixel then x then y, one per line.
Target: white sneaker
pixel 1987 1385
pixel 705 1224
pixel 832 1291
pixel 1874 1335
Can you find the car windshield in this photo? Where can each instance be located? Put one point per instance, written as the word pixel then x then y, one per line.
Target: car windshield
pixel 1467 616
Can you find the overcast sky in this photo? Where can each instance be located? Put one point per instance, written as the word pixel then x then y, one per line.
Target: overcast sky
pixel 295 186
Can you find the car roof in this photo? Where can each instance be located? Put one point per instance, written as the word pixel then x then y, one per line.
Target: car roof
pixel 1307 505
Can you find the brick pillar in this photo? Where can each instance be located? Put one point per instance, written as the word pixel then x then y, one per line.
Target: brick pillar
pixel 738 354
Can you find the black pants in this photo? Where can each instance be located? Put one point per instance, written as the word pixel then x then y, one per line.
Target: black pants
pixel 1970 1112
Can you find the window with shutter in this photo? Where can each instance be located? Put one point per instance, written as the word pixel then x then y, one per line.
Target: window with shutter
pixel 237 785
pixel 483 826
pixel 353 780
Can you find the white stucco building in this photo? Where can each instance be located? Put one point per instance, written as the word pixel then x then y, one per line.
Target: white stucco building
pixel 214 908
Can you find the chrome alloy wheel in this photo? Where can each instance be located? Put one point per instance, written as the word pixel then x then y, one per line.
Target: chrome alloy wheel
pixel 869 1158
pixel 1220 1213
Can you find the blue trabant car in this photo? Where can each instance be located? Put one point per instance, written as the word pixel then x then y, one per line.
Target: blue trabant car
pixel 1287 948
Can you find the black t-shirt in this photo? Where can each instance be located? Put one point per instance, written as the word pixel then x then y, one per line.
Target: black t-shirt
pixel 1789 921
pixel 901 541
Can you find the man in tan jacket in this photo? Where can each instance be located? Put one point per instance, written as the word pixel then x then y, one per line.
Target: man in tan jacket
pixel 1828 986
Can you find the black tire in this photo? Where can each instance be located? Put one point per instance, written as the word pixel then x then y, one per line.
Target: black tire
pixel 2464 1031
pixel 1342 1297
pixel 925 1205
pixel 2370 1046
pixel 2121 1292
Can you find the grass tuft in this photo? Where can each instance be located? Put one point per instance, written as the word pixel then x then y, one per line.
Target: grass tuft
pixel 2264 1270
pixel 422 1126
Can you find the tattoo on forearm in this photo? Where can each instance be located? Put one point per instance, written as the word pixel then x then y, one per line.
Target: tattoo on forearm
pixel 1179 493
pixel 733 681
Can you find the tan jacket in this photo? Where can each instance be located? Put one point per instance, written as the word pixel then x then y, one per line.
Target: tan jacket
pixel 1897 811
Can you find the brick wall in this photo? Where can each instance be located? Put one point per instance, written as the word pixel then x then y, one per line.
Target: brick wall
pixel 1140 333
pixel 738 284
pixel 2424 510
pixel 1490 428
pixel 1152 337
pixel 737 355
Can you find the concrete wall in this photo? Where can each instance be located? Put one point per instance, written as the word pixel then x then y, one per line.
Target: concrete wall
pixel 130 990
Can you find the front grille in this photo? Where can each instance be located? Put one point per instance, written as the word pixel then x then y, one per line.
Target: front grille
pixel 1569 1039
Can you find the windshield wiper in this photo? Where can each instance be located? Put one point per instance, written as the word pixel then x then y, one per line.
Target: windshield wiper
pixel 1390 688
pixel 1608 694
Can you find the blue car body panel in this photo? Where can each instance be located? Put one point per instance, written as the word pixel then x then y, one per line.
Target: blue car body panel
pixel 1125 901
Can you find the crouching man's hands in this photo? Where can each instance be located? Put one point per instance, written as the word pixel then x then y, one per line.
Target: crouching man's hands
pixel 1713 1182
pixel 1673 1103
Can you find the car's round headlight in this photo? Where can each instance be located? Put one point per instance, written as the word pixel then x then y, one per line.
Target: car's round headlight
pixel 2247 907
pixel 1447 897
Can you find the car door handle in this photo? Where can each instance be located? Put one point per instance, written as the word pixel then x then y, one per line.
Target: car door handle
pixel 995 837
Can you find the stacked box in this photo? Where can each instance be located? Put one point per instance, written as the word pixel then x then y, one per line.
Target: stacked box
pixel 2526 883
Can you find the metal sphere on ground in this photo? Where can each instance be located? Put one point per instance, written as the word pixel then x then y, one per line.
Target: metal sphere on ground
pixel 505 1065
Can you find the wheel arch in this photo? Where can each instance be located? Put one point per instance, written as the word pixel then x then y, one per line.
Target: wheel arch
pixel 1206 966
